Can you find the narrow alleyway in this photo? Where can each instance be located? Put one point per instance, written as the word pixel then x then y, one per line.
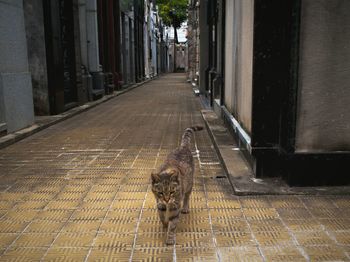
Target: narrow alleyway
pixel 79 191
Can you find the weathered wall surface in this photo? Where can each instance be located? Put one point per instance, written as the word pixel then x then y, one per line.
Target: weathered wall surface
pixel 238 60
pixel 15 81
pixel 323 119
pixel 34 23
pixel 230 55
pixel 204 46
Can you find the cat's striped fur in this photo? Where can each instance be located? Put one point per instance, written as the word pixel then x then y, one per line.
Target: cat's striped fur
pixel 172 184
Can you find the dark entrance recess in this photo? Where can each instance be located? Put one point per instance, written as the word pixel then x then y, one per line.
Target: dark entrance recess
pixel 109 42
pixel 210 72
pixel 67 37
pixel 138 31
pixel 274 94
pixel 60 53
pixel 214 85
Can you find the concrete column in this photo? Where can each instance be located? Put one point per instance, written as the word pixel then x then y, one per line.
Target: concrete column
pixel 89 35
pixel 132 46
pixel 93 47
pixel 230 54
pixel 93 76
pixel 153 66
pixel 92 35
pixel 83 37
pixel 127 76
pixel 86 77
pixel 16 98
pixel 204 44
pixel 146 39
pixel 153 43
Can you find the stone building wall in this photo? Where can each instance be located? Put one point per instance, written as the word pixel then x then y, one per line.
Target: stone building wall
pixel 16 98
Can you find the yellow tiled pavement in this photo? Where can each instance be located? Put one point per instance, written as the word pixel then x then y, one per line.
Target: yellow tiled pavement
pixel 79 191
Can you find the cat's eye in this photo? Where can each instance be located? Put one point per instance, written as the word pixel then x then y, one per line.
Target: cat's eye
pixel 160 193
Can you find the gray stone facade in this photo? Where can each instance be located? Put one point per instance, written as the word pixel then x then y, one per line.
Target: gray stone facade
pixel 35 33
pixel 56 55
pixel 16 97
pixel 323 120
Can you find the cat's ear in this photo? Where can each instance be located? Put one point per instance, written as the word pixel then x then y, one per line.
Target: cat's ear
pixel 155 177
pixel 171 171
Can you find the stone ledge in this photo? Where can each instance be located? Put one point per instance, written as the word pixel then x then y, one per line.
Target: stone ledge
pixel 241 175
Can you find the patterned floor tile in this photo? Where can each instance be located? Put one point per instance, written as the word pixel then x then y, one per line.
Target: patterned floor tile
pixel 240 254
pixel 66 254
pixel 34 240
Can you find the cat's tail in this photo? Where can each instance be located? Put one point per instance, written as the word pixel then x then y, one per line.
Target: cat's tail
pixel 186 137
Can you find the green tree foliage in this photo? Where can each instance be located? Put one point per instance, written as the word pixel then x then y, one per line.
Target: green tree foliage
pixel 173 12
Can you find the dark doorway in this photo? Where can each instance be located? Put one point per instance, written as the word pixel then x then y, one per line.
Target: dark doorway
pixel 60 53
pixel 67 39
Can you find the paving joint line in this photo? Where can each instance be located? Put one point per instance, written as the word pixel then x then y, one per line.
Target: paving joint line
pixel 217 251
pixel 138 225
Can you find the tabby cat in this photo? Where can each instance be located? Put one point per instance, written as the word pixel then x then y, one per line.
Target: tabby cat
pixel 172 184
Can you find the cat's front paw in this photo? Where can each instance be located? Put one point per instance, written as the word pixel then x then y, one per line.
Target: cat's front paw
pixel 170 241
